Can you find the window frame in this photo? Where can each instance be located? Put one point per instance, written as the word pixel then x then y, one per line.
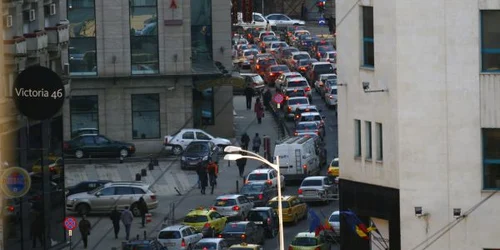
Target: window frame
pixel 488 161
pixel 357 138
pixel 149 110
pixel 488 51
pixel 71 114
pixel 367 40
pixel 379 131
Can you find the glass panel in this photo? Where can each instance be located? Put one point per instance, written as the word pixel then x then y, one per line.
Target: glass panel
pixel 491 61
pixel 492 176
pixel 201 31
pixel 203 106
pixel 490 29
pixel 144 51
pixel 81 15
pixel 146 116
pixel 491 140
pixel 143 21
pixel 369 58
pixel 84 112
pixel 82 56
pixel 367 22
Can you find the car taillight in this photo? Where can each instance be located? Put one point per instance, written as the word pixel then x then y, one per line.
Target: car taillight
pixel 52 169
pixel 207 225
pixel 214 208
pixel 10 208
pixel 330 96
pixel 243 236
pixel 302 68
pixel 289 109
pixel 317 132
pixel 269 182
pixel 319 54
pixel 305 169
pixel 257 67
pixel 295 133
pixel 261 196
pixel 271 74
pixel 153 197
pixel 268 221
pixel 220 235
pixel 300 191
pixel 308 89
pixel 236 208
pixel 183 243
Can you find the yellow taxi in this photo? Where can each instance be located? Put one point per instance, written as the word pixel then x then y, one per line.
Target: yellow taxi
pixel 333 169
pixel 206 221
pixel 55 165
pixel 246 246
pixel 309 241
pixel 293 208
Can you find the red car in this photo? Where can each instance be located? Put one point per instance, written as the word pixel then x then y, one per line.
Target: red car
pixel 262 65
pixel 273 72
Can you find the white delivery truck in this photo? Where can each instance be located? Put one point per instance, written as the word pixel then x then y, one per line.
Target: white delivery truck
pixel 298 158
pixel 258 21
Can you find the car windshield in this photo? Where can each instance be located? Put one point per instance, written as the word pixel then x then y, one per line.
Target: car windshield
pixel 324 68
pixel 274 204
pixel 257 79
pixel 225 202
pixel 277 45
pixel 197 148
pixel 280 68
pixel 169 235
pixel 334 218
pixel 308 183
pixel 301 56
pixel 307 126
pixel 333 92
pixel 331 82
pixel 254 188
pixel 298 101
pixel 325 48
pixel 205 246
pixel 235 227
pixel 258 215
pixel 290 51
pixel 267 61
pixel 269 38
pixel 195 218
pixel 299 83
pixel 302 32
pixel 257 177
pixel 305 241
pixel 305 37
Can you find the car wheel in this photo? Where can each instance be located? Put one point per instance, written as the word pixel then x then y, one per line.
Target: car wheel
pixel 79 154
pixel 135 210
pixel 82 209
pixel 123 152
pixel 177 150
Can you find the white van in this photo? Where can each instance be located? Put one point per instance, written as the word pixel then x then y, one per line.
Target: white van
pixel 297 158
pixel 258 21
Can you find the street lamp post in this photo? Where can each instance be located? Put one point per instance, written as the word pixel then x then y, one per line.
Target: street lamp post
pixel 234 153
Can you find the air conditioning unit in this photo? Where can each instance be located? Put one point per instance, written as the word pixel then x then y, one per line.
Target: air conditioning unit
pixel 52 9
pixel 32 15
pixel 8 21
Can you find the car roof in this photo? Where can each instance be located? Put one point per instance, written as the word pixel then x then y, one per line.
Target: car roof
pixel 300 78
pixel 127 184
pixel 327 75
pixel 315 178
pixel 294 89
pixel 299 52
pixel 310 113
pixel 306 235
pixel 174 228
pixel 213 240
pixel 298 97
pixel 320 63
pixel 200 211
pixel 261 209
pixel 248 74
pixel 291 73
pixel 307 122
pixel 228 196
pixel 308 107
pixel 238 222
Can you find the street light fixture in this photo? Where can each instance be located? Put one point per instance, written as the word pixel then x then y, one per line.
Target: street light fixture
pixel 234 153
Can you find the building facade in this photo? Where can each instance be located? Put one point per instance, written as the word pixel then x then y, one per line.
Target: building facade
pixel 34 33
pixel 419 127
pixel 144 69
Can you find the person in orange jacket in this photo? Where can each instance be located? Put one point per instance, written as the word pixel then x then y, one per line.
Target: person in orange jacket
pixel 213 171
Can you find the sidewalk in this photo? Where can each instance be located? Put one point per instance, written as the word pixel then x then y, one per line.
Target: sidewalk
pixel 102 236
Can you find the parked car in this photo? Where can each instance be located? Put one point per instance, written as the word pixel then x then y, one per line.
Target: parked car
pixel 211 244
pixel 267 218
pixel 199 153
pixel 178 141
pixel 84 131
pixel 233 206
pixel 278 19
pixel 317 188
pixel 259 193
pixel 243 231
pixel 55 164
pixel 334 221
pixel 309 241
pixel 97 145
pixel 119 194
pixel 85 186
pixel 179 237
pixel 293 208
pixel 265 175
pixel 152 244
pixel 209 222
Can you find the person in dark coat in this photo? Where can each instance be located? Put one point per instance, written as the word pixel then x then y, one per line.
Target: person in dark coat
pixel 267 99
pixel 143 208
pixel 241 163
pixel 249 93
pixel 256 142
pixel 84 227
pixel 203 175
pixel 259 110
pixel 37 228
pixel 115 218
pixel 245 140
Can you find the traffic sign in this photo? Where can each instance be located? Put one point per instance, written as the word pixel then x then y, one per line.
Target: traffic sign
pixel 70 223
pixel 15 182
pixel 278 98
pixel 322 21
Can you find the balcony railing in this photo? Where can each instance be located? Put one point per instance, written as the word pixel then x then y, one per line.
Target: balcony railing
pixel 36 42
pixel 15 47
pixel 57 36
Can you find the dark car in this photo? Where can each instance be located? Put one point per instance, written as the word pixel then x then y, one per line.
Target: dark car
pixel 266 218
pixel 303 65
pixel 243 231
pixel 318 68
pixel 143 245
pixel 199 153
pixel 97 145
pixel 85 186
pixel 259 193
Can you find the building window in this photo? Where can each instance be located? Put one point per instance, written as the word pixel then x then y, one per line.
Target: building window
pixel 380 143
pixel 203 107
pixel 82 42
pixel 368 42
pixel 84 112
pixel 491 158
pixel 146 116
pixel 201 31
pixel 357 138
pixel 368 138
pixel 144 37
pixel 490 40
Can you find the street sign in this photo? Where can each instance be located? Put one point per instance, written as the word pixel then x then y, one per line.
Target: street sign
pixel 15 182
pixel 278 98
pixel 70 223
pixel 322 21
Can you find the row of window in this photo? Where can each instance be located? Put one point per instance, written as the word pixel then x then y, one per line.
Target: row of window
pixel 490 39
pixel 84 113
pixel 368 153
pixel 144 51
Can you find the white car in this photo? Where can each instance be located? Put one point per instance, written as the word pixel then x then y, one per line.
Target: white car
pixel 179 237
pixel 334 221
pixel 329 57
pixel 322 79
pixel 283 77
pixel 292 103
pixel 233 206
pixel 278 19
pixel 212 244
pixel 265 175
pixel 179 141
pixel 332 97
pixel 300 82
pixel 275 46
pixel 317 188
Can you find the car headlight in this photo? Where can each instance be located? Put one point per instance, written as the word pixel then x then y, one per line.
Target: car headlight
pixel 205 158
pixel 183 158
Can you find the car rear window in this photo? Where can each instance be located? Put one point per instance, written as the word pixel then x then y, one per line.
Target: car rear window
pixel 235 227
pixel 334 218
pixel 195 218
pixel 166 235
pixel 280 68
pixel 268 62
pixel 298 101
pixel 305 241
pixel 295 84
pixel 331 82
pixel 257 78
pixel 257 177
pixel 308 183
pixel 325 48
pixel 252 188
pixel 225 202
pixel 252 52
pixel 294 93
pixel 274 204
pixel 324 67
pixel 197 148
pixel 258 215
pixel 301 56
pixel 205 246
pixel 333 92
pixel 310 118
pixel 307 126
pixel 331 54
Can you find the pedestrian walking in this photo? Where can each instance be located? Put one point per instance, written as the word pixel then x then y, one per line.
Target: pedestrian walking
pixel 256 142
pixel 84 227
pixel 267 99
pixel 127 217
pixel 203 175
pixel 213 171
pixel 249 93
pixel 245 140
pixel 241 163
pixel 143 208
pixel 37 228
pixel 259 110
pixel 115 218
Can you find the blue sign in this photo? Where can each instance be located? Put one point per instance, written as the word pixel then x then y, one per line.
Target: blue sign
pixel 322 21
pixel 15 182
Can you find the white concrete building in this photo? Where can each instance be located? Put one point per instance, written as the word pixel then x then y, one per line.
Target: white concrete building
pixel 431 139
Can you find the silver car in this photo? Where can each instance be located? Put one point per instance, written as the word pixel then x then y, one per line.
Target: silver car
pixel 317 188
pixel 331 98
pixel 233 206
pixel 179 237
pixel 212 244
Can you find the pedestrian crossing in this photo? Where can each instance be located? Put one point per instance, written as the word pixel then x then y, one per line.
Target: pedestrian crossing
pixel 163 178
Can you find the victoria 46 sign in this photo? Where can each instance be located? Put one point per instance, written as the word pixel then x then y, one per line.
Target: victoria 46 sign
pixel 38 93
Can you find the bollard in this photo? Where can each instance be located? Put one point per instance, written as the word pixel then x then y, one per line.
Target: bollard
pixel 145 235
pixel 237 187
pixel 150 166
pixel 144 172
pixel 137 238
pixel 137 177
pixel 121 159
